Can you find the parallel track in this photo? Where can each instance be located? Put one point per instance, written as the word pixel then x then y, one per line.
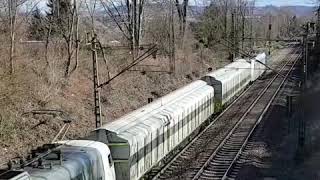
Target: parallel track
pixel 193 159
pixel 255 139
pixel 221 161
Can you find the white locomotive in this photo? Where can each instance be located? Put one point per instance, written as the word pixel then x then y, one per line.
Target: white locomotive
pixel 130 146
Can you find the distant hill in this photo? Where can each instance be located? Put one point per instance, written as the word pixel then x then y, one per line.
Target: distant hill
pixel 196 11
pixel 299 11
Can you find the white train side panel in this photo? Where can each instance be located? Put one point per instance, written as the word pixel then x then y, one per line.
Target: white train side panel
pixel 228 82
pixel 138 141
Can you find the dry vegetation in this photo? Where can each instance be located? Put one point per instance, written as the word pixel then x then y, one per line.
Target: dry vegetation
pixel 39 80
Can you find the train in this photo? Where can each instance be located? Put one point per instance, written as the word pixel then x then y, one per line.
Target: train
pixel 132 145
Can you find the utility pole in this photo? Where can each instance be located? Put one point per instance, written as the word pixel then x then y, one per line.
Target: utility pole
pixel 232 35
pixel 237 27
pixel 243 28
pixel 305 54
pixel 135 28
pixel 96 90
pixel 302 119
pixel 172 38
pixel 318 30
pixel 251 25
pixel 225 19
pixel 269 35
pixel 251 12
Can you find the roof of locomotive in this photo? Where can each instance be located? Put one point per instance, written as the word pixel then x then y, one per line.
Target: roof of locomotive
pixel 76 157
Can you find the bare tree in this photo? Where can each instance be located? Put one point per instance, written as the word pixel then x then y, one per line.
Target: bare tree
pixel 182 14
pixel 70 33
pixel 129 22
pixel 63 19
pixel 10 17
pixel 91 6
pixel 77 39
pixel 12 9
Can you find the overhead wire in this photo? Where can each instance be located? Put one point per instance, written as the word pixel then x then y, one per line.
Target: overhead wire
pixel 146 55
pixel 242 52
pixel 246 54
pixel 142 57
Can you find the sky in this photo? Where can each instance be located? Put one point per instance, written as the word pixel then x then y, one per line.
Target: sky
pixel 258 2
pixel 285 2
pixel 270 2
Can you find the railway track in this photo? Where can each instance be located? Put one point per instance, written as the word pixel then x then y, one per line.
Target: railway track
pixel 221 161
pixel 210 153
pixel 256 140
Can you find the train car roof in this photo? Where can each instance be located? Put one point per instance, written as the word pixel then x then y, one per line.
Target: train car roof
pixel 261 57
pixel 228 72
pixel 140 126
pixel 144 110
pixel 239 65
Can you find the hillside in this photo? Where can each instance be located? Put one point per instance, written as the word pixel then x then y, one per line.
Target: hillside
pixel 299 11
pixel 37 95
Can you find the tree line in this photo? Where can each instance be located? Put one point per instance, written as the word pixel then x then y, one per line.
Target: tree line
pixel 231 22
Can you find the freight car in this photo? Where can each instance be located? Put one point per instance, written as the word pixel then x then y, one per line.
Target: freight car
pixel 228 82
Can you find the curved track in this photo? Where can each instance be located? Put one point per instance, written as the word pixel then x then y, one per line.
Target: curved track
pixel 209 155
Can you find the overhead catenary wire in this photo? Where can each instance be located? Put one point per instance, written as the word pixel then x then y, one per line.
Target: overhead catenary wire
pixel 142 57
pixel 246 54
pixel 242 52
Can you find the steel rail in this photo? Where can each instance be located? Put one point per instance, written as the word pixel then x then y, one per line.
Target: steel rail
pixel 200 134
pixel 158 173
pixel 260 118
pixel 199 173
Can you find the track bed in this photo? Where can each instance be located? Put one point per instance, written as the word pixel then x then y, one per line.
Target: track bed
pixel 217 141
